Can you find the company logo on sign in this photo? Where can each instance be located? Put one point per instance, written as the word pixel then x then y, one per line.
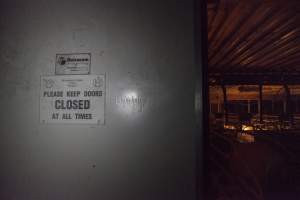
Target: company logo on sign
pixel 61 61
pixel 73 64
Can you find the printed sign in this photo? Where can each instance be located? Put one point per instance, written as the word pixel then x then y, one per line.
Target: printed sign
pixel 73 64
pixel 77 99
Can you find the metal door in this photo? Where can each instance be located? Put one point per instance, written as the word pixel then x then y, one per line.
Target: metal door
pixel 146 148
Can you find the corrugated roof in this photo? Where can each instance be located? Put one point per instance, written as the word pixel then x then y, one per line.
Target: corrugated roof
pixel 248 36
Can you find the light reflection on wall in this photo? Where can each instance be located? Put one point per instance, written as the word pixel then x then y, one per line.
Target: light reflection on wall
pixel 131 94
pixel 131 102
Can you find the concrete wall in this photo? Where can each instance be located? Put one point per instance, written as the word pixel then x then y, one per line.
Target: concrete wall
pixel 144 47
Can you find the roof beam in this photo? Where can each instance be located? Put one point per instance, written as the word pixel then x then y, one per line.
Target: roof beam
pixel 255 79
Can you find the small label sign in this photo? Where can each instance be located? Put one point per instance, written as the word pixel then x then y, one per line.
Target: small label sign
pixel 76 99
pixel 73 64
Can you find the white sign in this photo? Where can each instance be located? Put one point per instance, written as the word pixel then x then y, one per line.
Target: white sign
pixel 77 99
pixel 73 64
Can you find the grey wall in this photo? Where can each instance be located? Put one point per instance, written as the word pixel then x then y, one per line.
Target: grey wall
pixel 143 152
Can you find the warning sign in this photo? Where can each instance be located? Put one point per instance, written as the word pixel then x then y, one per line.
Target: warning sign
pixel 77 99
